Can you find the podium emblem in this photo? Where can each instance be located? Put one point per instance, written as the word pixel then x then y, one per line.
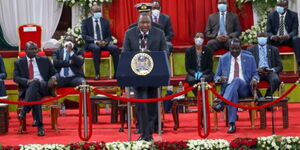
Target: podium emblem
pixel 142 64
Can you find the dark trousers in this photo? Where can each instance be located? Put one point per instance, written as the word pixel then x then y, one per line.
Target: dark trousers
pixel 292 42
pixel 113 50
pixel 146 112
pixel 34 92
pixel 69 81
pixel 2 88
pixel 191 80
pixel 215 45
pixel 274 81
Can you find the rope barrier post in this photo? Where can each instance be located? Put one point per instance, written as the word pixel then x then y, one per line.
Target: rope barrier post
pixel 84 90
pixel 203 104
pixel 128 94
pixel 159 114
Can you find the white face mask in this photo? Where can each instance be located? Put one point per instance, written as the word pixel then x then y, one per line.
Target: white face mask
pixel 67 43
pixel 199 41
pixel 155 12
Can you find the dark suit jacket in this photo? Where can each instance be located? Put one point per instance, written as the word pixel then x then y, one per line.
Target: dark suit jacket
pixel 291 23
pixel 156 40
pixel 248 68
pixel 76 65
pixel 274 59
pixel 2 69
pixel 87 30
pixel 191 61
pixel 21 73
pixel 165 21
pixel 233 27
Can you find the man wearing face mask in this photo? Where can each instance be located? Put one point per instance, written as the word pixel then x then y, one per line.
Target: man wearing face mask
pixel 198 62
pixel 221 27
pixel 165 21
pixel 35 76
pixel 282 28
pixel 268 62
pixel 236 80
pixel 97 36
pixel 68 62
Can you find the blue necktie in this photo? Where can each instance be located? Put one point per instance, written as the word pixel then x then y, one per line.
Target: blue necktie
pixel 66 69
pixel 262 57
pixel 222 24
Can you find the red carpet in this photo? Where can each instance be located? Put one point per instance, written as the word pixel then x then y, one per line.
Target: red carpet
pixel 104 131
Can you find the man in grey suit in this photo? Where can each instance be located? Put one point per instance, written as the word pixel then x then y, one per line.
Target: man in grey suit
pixel 165 21
pixel 268 62
pixel 221 27
pixel 144 38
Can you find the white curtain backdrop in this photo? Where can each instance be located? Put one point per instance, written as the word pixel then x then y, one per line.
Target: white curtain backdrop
pixel 76 15
pixel 17 12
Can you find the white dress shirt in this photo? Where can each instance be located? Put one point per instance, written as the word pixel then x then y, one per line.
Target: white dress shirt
pixel 231 73
pixel 36 71
pixel 94 26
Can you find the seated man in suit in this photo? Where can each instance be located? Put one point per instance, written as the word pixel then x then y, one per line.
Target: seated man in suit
pixel 2 77
pixel 268 62
pixel 237 73
pixel 152 39
pixel 68 62
pixel 35 75
pixel 198 62
pixel 282 28
pixel 165 21
pixel 221 27
pixel 97 36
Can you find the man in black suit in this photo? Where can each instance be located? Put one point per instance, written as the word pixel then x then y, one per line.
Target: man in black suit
pixel 2 77
pixel 268 62
pixel 68 62
pixel 282 27
pixel 97 36
pixel 34 74
pixel 165 21
pixel 198 62
pixel 221 27
pixel 144 38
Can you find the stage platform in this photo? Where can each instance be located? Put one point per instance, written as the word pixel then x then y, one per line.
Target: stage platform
pixel 107 132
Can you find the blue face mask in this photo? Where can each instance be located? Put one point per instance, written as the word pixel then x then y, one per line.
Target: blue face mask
pixel 280 9
pixel 97 15
pixel 262 40
pixel 222 7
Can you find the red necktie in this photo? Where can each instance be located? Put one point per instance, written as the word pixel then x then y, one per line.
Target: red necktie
pixel 30 69
pixel 155 19
pixel 236 68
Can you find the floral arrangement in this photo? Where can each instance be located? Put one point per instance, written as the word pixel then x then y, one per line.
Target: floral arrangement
pixel 243 143
pixel 86 146
pixel 89 3
pixel 271 142
pixel 249 37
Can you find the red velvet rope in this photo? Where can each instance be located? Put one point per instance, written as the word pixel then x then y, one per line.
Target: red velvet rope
pixel 39 102
pixel 255 107
pixel 88 103
pixel 200 112
pixel 143 100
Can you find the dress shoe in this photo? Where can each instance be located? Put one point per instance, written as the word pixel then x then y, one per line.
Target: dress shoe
pixel 148 138
pixel 137 131
pixel 41 131
pixel 21 120
pixel 97 77
pixel 232 128
pixel 34 124
pixel 218 107
pixel 141 138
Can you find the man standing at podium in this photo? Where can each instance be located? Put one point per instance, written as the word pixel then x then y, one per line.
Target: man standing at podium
pixel 144 38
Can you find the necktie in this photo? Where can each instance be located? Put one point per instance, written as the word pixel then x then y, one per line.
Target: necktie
pixel 155 19
pixel 144 41
pixel 262 56
pixel 281 25
pixel 66 69
pixel 98 32
pixel 236 69
pixel 30 69
pixel 222 24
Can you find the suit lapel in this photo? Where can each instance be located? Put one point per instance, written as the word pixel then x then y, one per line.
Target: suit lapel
pixel 227 21
pixel 269 56
pixel 256 54
pixel 40 65
pixel 25 66
pixel 61 54
pixel 228 66
pixel 287 20
pixel 91 24
pixel 243 61
pixel 218 21
pixel 149 39
pixel 276 20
